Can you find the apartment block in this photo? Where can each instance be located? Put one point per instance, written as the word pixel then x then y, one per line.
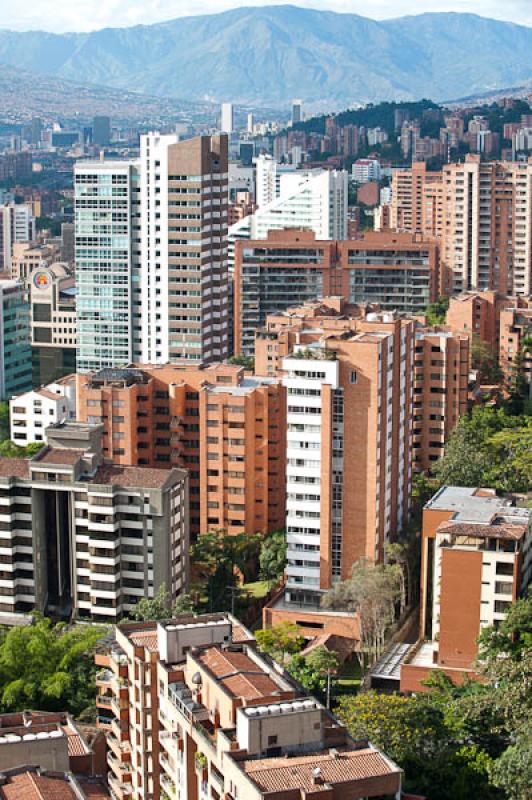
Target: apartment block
pixel 441 378
pixel 480 213
pixel 31 413
pixel 53 323
pixel 17 224
pixel 397 271
pixel 15 341
pixel 476 561
pixel 183 293
pixel 311 200
pixel 209 717
pixel 515 334
pixel 225 427
pixel 83 538
pixel 151 254
pixel 349 384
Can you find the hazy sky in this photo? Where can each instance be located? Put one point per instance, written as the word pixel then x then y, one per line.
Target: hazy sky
pixel 64 15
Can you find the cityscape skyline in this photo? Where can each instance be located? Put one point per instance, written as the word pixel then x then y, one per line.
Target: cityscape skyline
pixel 94 16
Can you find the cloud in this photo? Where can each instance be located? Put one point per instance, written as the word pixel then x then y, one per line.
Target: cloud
pixel 65 15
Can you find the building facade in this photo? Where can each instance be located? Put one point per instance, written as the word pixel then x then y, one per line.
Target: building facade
pixel 476 560
pixel 53 323
pixel 31 413
pixel 15 340
pixel 87 539
pixel 225 427
pixel 399 272
pixel 211 717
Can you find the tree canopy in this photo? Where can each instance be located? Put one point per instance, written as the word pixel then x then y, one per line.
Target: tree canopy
pixel 161 606
pixel 489 448
pixel 48 667
pixel 272 558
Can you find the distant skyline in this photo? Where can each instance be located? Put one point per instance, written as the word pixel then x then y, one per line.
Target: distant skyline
pixel 64 15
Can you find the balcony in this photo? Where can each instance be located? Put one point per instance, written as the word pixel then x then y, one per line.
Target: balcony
pixel 104 701
pixel 104 677
pixel 120 790
pixel 168 786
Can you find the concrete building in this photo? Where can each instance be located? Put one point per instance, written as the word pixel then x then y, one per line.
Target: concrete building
pixel 476 561
pixel 84 538
pixel 225 427
pixel 53 323
pixel 184 283
pixel 151 254
pixel 365 170
pixel 15 341
pixel 31 413
pixel 297 111
pixel 17 225
pixel 51 741
pixel 101 131
pixel 227 122
pixel 309 200
pixel 441 382
pixel 211 717
pixel 515 335
pixel 349 383
pixel 397 271
pixel 26 258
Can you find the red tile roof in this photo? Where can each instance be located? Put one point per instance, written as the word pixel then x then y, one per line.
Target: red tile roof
pixel 60 456
pixel 503 530
pixel 283 774
pixel 142 477
pixel 239 674
pixel 14 467
pixel 32 786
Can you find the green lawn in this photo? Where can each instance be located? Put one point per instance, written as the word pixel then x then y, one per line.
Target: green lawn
pixel 349 678
pixel 257 589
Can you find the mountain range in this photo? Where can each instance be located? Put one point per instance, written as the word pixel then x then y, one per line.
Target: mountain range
pixel 268 55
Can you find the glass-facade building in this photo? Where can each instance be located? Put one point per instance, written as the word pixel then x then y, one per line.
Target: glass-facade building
pixel 107 249
pixel 15 343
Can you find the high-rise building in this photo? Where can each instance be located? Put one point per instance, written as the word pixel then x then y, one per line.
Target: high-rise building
pixel 151 258
pixel 214 718
pixel 32 412
pixel 225 427
pixel 313 200
pixel 53 323
pixel 297 111
pixel 107 219
pixel 476 560
pixel 349 385
pixel 441 384
pixel 15 340
pixel 399 272
pixel 183 290
pixel 17 225
pixel 480 212
pixel 227 122
pixel 87 538
pixel 101 131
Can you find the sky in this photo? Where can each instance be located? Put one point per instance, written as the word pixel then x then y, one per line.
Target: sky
pixel 69 15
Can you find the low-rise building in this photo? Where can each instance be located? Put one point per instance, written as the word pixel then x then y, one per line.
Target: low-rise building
pixel 476 561
pixel 210 717
pixel 28 781
pixel 84 538
pixel 31 413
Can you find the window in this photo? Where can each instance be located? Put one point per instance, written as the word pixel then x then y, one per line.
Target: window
pixel 504 568
pixel 502 606
pixel 353 377
pixel 272 740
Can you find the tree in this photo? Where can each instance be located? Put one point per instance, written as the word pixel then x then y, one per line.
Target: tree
pixel 9 449
pixel 489 448
pixel 413 731
pixel 280 642
pixel 48 667
pixel 220 558
pixel 4 421
pixel 248 362
pixel 314 670
pixel 161 606
pixel 272 557
pixel 373 591
pixel 436 312
pixel 485 361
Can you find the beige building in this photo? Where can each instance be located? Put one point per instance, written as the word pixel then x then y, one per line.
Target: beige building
pixel 53 323
pixel 204 715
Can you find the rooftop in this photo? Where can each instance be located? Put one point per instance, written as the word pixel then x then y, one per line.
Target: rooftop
pixel 317 771
pixel 468 504
pixel 500 530
pixel 59 456
pixel 14 467
pixel 134 477
pixel 238 673
pixel 37 785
